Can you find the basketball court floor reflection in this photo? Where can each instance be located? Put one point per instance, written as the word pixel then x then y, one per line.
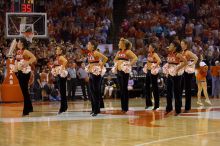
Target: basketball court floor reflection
pixel 138 127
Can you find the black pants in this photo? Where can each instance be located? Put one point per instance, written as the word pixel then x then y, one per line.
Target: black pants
pixel 23 81
pixel 94 88
pixel 187 83
pixel 63 105
pixel 102 105
pixel 152 80
pixel 71 88
pixel 173 90
pixel 123 84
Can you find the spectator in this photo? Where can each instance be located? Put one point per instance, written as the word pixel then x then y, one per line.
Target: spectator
pixel 109 86
pixel 44 84
pixel 83 79
pixel 201 82
pixel 37 84
pixel 71 80
pixel 215 72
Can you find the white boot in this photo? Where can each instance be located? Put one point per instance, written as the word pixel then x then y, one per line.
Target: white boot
pixel 208 101
pixel 199 102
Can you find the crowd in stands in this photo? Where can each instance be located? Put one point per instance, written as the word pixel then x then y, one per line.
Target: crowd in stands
pixel 71 23
pixel 160 22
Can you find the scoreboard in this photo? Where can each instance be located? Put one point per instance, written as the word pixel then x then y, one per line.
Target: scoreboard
pixel 26 6
pixel 23 6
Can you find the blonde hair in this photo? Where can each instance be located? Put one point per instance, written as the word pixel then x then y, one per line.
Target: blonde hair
pixel 128 44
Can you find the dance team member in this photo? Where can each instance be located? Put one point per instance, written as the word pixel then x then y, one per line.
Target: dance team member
pixel 189 72
pixel 124 60
pixel 95 68
pixel 151 69
pixel 60 67
pixel 176 63
pixel 24 59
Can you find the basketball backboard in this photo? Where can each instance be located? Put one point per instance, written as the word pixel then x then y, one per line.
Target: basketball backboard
pixel 17 23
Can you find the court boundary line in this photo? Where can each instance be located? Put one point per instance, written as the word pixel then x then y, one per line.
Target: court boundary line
pixel 174 138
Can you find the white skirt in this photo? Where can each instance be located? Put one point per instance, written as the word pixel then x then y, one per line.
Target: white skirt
pixel 59 71
pixel 126 67
pixel 96 70
pixel 20 67
pixel 190 68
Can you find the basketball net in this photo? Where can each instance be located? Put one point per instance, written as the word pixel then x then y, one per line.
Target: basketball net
pixel 28 36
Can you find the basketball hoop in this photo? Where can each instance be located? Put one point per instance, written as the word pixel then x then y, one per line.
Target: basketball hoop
pixel 28 35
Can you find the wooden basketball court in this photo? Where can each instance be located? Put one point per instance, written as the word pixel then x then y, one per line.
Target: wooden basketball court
pixel 138 127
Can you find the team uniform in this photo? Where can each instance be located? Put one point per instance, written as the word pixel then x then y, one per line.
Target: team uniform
pixel 62 87
pixel 95 85
pixel 151 79
pixel 123 81
pixel 23 79
pixel 173 84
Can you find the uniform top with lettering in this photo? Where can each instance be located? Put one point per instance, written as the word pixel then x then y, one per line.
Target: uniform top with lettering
pixel 172 59
pixel 122 55
pixel 151 58
pixel 92 58
pixel 20 56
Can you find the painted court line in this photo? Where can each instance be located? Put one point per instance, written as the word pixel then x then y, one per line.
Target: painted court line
pixel 174 138
pixel 68 116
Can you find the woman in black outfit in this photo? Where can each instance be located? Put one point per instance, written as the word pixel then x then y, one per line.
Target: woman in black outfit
pixel 124 59
pixel 176 63
pixel 96 60
pixel 25 56
pixel 189 72
pixel 153 61
pixel 61 61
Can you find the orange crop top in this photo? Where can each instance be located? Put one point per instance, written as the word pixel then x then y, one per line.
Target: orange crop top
pixel 122 55
pixel 92 58
pixel 172 59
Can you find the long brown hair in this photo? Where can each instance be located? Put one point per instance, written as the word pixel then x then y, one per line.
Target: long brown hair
pixel 25 43
pixel 185 42
pixel 128 44
pixel 95 44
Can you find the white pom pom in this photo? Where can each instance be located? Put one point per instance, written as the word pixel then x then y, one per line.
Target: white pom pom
pixel 126 67
pixel 96 70
pixel 165 69
pixel 155 69
pixel 63 73
pixel 20 66
pixel 190 69
pixel 87 68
